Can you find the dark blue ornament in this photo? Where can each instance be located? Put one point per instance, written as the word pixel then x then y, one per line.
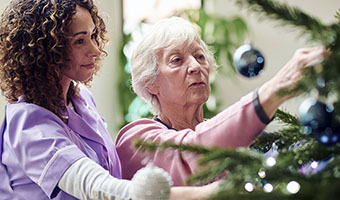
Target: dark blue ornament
pixel 317 120
pixel 329 136
pixel 248 61
pixel 315 114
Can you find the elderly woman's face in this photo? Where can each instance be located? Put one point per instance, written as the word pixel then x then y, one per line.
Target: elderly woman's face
pixel 184 76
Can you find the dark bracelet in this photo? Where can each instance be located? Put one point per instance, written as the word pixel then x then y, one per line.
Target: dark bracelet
pixel 259 110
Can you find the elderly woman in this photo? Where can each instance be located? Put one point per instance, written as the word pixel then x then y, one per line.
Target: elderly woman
pixel 170 70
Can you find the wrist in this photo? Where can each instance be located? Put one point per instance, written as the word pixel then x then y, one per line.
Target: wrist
pixel 269 99
pixel 259 109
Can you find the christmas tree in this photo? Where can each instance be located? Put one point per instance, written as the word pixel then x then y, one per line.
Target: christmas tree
pixel 301 160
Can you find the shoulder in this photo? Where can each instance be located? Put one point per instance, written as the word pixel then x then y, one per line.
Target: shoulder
pixel 139 128
pixel 23 110
pixel 30 119
pixel 27 122
pixel 148 129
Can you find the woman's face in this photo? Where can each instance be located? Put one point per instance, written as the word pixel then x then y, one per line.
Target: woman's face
pixel 184 76
pixel 83 47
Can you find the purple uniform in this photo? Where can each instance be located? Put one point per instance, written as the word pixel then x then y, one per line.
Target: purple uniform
pixel 37 147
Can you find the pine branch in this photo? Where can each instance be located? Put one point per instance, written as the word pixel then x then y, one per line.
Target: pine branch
pixel 215 160
pixel 287 118
pixel 309 25
pixel 337 14
pixel 283 139
pixel 219 160
pixel 309 191
pixel 150 146
pixel 243 165
pixel 210 173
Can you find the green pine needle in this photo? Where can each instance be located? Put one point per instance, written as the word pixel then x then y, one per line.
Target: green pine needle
pixel 293 16
pixel 287 117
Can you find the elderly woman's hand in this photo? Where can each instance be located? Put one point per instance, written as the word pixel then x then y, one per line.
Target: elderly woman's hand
pixel 194 192
pixel 288 77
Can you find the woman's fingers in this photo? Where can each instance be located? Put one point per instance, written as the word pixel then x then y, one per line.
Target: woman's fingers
pixel 308 57
pixel 288 77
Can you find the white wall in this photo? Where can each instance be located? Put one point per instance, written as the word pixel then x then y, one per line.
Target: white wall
pixel 103 86
pixel 275 41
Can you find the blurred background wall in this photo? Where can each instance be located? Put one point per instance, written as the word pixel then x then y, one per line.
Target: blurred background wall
pixel 275 41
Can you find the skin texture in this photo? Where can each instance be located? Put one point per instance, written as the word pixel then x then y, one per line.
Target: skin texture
pixel 83 50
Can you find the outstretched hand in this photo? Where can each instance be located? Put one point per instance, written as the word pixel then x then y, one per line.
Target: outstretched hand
pixel 288 77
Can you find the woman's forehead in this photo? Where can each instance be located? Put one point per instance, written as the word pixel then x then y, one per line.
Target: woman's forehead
pixel 183 48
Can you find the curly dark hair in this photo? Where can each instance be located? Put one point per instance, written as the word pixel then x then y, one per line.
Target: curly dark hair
pixel 34 38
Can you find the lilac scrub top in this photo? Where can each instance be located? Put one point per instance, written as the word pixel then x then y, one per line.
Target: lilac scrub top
pixel 37 147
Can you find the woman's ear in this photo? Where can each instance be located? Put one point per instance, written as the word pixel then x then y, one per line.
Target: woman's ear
pixel 153 89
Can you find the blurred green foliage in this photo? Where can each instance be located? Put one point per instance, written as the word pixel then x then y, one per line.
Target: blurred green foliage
pixel 223 35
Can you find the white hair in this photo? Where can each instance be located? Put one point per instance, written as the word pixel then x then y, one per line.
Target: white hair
pixel 166 33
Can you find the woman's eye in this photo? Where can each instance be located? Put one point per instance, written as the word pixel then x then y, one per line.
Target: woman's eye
pixel 176 60
pixel 79 41
pixel 200 57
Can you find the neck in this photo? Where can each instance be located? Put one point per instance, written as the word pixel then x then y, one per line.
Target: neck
pixel 65 83
pixel 182 118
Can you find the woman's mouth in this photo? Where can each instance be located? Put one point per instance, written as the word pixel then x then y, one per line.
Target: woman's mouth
pixel 197 84
pixel 89 66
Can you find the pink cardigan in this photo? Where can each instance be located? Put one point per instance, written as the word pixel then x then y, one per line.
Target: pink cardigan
pixel 235 126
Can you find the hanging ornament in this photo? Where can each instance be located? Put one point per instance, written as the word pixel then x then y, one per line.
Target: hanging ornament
pixel 315 115
pixel 151 183
pixel 329 136
pixel 248 61
pixel 317 120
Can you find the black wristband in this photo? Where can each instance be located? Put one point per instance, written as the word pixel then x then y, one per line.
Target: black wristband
pixel 259 110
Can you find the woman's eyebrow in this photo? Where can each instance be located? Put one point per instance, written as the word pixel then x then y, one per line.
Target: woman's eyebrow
pixel 83 32
pixel 171 52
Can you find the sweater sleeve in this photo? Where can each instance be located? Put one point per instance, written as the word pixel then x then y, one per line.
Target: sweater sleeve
pixel 85 179
pixel 235 126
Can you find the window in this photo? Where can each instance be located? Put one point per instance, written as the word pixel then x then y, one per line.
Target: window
pixel 135 11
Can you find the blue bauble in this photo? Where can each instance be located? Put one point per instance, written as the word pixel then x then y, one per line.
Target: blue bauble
pixel 329 136
pixel 315 115
pixel 248 61
pixel 317 120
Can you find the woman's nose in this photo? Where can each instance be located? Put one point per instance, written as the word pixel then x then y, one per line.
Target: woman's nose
pixel 94 49
pixel 193 65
